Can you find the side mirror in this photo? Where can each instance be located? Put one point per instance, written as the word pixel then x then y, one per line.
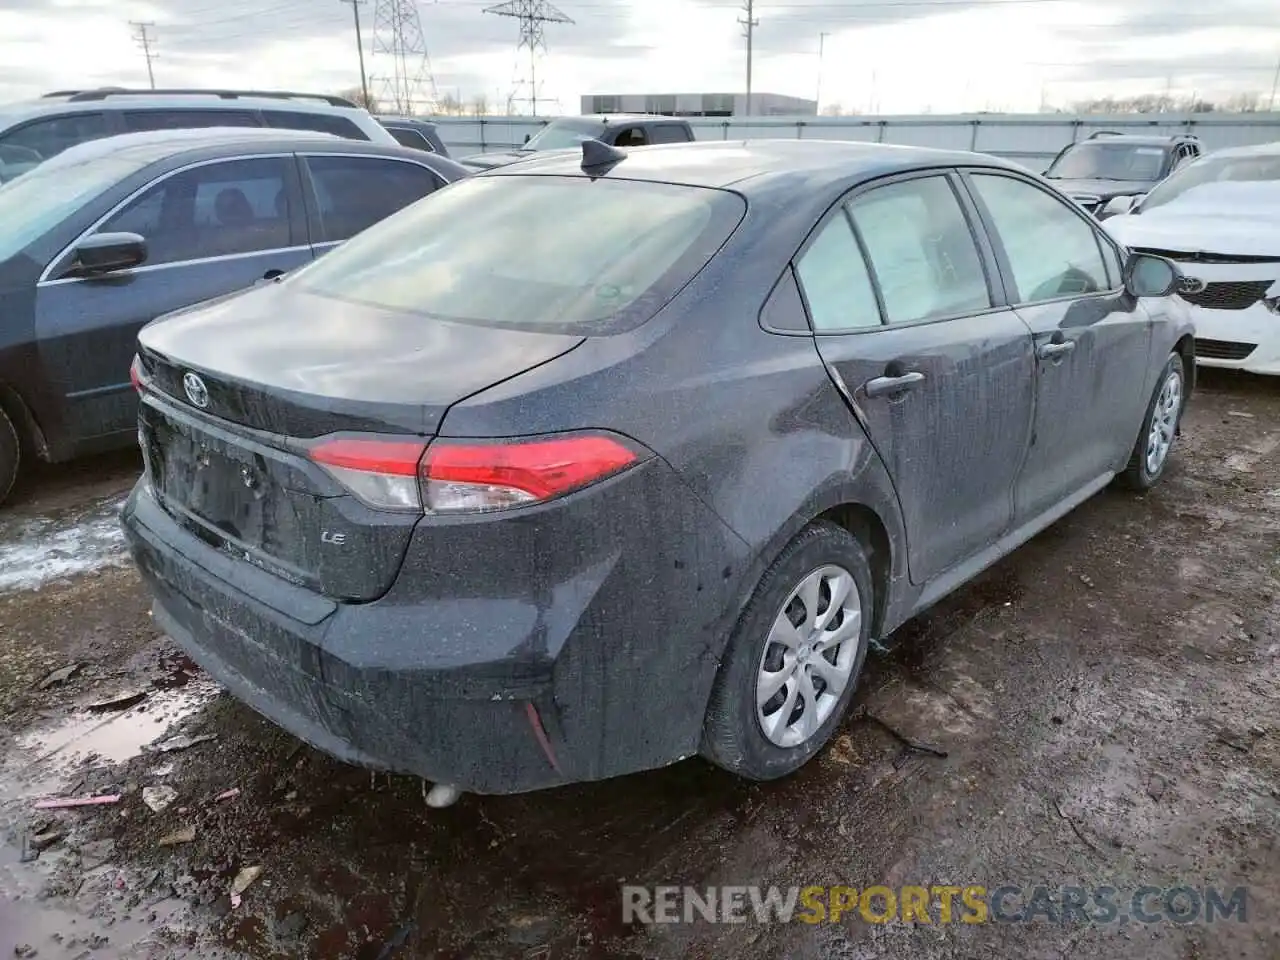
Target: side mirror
pixel 1150 276
pixel 1116 206
pixel 107 252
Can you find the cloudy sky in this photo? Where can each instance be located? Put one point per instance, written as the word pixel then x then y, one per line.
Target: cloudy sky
pixel 893 56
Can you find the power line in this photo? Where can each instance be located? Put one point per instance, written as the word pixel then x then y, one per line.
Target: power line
pixel 364 79
pixel 144 40
pixel 533 15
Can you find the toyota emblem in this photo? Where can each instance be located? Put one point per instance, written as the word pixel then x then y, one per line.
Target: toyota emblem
pixel 197 392
pixel 1190 285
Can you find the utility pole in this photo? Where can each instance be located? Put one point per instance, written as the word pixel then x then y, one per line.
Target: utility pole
pixel 748 28
pixel 364 80
pixel 817 100
pixel 144 40
pixel 1275 85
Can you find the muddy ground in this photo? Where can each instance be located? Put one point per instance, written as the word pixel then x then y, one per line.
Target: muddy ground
pixel 1108 699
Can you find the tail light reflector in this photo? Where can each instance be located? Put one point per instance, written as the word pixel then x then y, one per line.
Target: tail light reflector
pixel 135 373
pixel 450 476
pixel 382 473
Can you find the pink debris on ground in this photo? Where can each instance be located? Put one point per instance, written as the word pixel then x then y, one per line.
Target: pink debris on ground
pixel 60 802
pixel 227 795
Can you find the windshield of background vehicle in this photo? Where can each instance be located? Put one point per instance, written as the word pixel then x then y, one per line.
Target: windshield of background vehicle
pixel 556 254
pixel 1210 170
pixel 1100 160
pixel 36 201
pixel 562 134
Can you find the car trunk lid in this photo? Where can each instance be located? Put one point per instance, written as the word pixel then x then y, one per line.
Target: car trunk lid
pixel 237 391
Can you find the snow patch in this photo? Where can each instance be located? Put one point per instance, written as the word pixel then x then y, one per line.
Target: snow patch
pixel 39 551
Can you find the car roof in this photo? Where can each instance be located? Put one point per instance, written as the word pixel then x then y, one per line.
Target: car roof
pixel 154 146
pixel 750 164
pixel 1141 139
pixel 626 118
pixel 33 109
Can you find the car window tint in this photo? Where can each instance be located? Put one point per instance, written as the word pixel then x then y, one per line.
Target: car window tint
pixel 49 137
pixel 354 193
pixel 668 133
pixel 321 122
pixel 238 206
pixel 835 280
pixel 1052 251
pixel 140 120
pixel 631 137
pixel 409 138
pixel 921 249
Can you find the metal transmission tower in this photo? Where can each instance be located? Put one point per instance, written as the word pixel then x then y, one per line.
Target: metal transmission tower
pixel 532 14
pixel 144 40
pixel 397 30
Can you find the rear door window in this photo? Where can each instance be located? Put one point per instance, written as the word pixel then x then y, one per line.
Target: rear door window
pixel 921 249
pixel 354 193
pixel 218 209
pixel 140 120
pixel 631 137
pixel 320 122
pixel 409 138
pixel 41 139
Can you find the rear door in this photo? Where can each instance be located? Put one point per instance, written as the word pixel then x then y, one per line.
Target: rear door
pixel 347 194
pixel 1092 339
pixel 211 229
pixel 937 371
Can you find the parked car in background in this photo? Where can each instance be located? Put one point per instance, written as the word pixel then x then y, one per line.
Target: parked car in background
pixel 621 130
pixel 1101 172
pixel 414 132
pixel 514 514
pixel 1219 220
pixel 37 130
pixel 110 234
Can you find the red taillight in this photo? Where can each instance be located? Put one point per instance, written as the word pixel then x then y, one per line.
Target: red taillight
pixel 382 473
pixel 466 477
pixel 135 373
pixel 463 477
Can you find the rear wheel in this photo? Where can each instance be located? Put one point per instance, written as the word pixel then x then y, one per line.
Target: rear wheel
pixel 792 664
pixel 1159 428
pixel 10 455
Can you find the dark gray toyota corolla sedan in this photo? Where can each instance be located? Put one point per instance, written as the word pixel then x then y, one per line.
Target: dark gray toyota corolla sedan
pixel 596 462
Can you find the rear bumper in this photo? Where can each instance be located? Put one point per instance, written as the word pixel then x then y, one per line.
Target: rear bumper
pixel 611 636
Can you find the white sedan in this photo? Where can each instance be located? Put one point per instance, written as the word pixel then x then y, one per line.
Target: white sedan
pixel 1219 220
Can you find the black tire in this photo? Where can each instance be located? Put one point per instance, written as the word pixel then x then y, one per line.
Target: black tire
pixel 733 736
pixel 10 455
pixel 1138 474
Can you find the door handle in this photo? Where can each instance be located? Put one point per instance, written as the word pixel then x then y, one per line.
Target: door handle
pixel 1055 349
pixel 886 386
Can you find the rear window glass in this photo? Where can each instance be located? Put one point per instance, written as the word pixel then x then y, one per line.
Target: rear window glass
pixel 567 254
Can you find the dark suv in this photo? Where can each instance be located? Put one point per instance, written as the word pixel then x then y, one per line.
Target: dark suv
pixel 1108 165
pixel 111 234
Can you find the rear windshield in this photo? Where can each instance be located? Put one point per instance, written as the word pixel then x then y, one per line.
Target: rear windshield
pixel 564 133
pixel 562 254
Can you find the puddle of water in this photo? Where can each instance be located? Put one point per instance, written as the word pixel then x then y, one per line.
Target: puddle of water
pixel 38 551
pixel 112 737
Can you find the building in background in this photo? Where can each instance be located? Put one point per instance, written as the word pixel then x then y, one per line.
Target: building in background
pixel 700 104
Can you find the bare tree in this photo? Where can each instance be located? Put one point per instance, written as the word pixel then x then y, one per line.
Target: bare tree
pixel 356 96
pixel 479 105
pixel 1167 103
